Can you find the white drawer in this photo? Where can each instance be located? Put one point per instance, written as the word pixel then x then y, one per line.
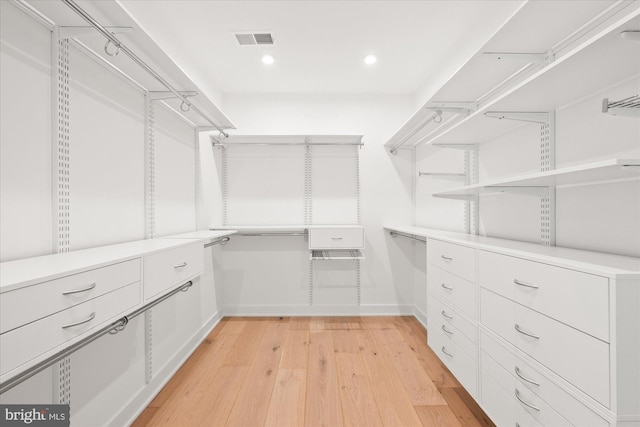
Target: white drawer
pixel 578 299
pixel 456 259
pixel 173 267
pixel 577 357
pixel 336 238
pixel 446 313
pixel 494 353
pixel 439 324
pixel 459 363
pixel 21 345
pixel 29 304
pixel 499 405
pixel 452 289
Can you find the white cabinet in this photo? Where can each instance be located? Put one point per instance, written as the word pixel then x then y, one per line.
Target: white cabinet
pixel 170 268
pixel 330 237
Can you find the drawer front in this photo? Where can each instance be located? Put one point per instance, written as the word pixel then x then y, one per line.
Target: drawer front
pixel 495 354
pixel 456 259
pixel 578 299
pixel 26 305
pixel 168 269
pixel 459 363
pixel 439 325
pixel 452 289
pixel 446 313
pixel 502 409
pixel 336 238
pixel 24 344
pixel 577 357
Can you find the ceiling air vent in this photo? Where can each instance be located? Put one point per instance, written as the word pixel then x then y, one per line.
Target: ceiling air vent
pixel 254 38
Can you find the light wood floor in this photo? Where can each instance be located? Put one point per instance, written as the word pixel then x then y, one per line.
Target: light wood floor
pixel 314 371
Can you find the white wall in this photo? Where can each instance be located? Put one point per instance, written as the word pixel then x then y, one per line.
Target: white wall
pixel 385 181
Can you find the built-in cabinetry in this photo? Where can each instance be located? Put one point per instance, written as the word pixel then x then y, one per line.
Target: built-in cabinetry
pixel 538 335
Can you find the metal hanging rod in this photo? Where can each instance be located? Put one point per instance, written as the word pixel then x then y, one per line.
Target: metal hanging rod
pixel 112 329
pixel 225 144
pixel 625 107
pixel 395 234
pixel 436 118
pixel 120 47
pixel 274 233
pixel 221 241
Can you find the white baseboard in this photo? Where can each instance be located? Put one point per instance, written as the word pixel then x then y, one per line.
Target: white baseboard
pixel 420 316
pixel 140 401
pixel 319 310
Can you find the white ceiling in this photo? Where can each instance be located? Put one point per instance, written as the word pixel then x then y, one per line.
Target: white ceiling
pixel 320 45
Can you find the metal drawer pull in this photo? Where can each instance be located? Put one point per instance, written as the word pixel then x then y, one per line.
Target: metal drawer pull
pixel 446 257
pixel 530 381
pixel 77 291
pixel 446 330
pixel 526 285
pixel 449 288
pixel 446 315
pixel 184 264
pixel 517 327
pixel 444 350
pixel 525 403
pixel 336 238
pixel 88 319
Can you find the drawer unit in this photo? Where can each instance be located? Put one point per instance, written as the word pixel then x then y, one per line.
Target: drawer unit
pixel 170 268
pixel 336 237
pixel 452 289
pixel 501 407
pixel 447 313
pixel 456 259
pixel 22 345
pixel 577 357
pixel 496 356
pixel 459 363
pixel 439 324
pixel 578 299
pixel 26 305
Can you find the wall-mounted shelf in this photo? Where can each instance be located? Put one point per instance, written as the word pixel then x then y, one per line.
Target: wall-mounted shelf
pixel 354 254
pixel 535 183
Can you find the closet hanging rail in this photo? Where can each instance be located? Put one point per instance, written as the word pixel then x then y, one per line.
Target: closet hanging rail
pixel 120 47
pixel 226 144
pixel 407 236
pixel 274 233
pixel 436 118
pixel 220 241
pixel 111 329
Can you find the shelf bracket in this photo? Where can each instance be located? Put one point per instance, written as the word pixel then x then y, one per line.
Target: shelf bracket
pixel 159 95
pixel 453 107
pixel 525 191
pixel 523 116
pixel 70 32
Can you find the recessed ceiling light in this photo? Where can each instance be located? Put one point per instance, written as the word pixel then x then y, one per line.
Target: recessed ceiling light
pixel 267 59
pixel 370 59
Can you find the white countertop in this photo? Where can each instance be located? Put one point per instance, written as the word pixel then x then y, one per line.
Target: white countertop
pixel 609 265
pixel 207 236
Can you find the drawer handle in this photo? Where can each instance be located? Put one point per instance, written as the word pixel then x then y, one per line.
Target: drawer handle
pixel 448 258
pixel 77 291
pixel 446 330
pixel 184 264
pixel 80 322
pixel 444 350
pixel 446 315
pixel 517 327
pixel 526 285
pixel 522 377
pixel 449 288
pixel 525 403
pixel 336 238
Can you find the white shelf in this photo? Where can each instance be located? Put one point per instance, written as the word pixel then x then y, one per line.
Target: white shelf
pixel 607 265
pixel 605 170
pixel 336 254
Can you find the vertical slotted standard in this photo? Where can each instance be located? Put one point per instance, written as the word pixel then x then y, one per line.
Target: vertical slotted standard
pixel 548 162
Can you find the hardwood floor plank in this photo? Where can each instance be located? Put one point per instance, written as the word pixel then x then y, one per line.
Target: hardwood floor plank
pixel 145 417
pixel 288 399
pixel 344 341
pixel 392 400
pixel 218 399
pixel 253 399
pixel 437 416
pixel 322 404
pixel 301 322
pixel 419 386
pixel 460 409
pixel 295 353
pixel 247 344
pixel 474 407
pixel 356 397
